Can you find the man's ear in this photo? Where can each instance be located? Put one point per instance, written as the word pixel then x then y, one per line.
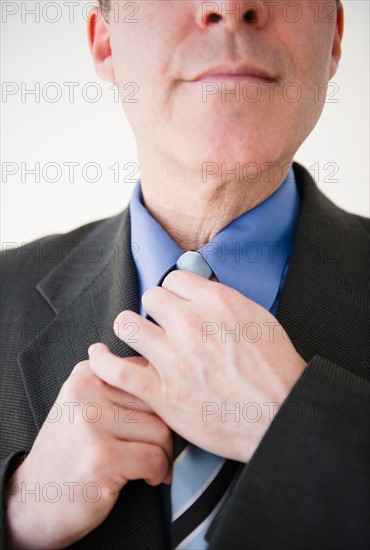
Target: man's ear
pixel 337 50
pixel 98 32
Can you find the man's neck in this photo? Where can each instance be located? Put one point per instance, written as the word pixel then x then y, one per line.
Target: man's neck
pixel 193 208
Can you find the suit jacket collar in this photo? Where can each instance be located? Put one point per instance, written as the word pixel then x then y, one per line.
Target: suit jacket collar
pixel 107 241
pixel 86 291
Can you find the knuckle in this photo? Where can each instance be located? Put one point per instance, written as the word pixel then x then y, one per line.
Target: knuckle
pixel 96 383
pixel 128 382
pixel 165 432
pixel 221 295
pixel 123 318
pixel 97 457
pixel 172 275
pixel 75 385
pixel 158 461
pixel 78 386
pixel 143 388
pixel 94 463
pixel 151 294
pixel 81 366
pixel 122 378
pixel 189 321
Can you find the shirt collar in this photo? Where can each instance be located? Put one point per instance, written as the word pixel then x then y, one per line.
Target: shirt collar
pixel 248 255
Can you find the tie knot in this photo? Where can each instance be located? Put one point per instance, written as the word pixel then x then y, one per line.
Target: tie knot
pixel 194 261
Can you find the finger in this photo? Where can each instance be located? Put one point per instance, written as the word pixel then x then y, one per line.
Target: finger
pixel 188 285
pixel 134 375
pixel 141 461
pixel 136 425
pixel 162 305
pixel 168 479
pixel 80 368
pixel 150 339
pixel 123 399
pixel 117 397
pixel 114 395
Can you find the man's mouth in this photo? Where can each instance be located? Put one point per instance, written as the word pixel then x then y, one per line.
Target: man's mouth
pixel 234 72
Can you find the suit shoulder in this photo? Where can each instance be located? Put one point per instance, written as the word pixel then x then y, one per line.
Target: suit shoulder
pixel 365 222
pixel 323 217
pixel 25 263
pixel 357 227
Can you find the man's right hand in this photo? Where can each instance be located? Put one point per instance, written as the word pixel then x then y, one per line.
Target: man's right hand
pixel 85 460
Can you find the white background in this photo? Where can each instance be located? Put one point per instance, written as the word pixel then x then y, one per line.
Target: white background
pixel 97 132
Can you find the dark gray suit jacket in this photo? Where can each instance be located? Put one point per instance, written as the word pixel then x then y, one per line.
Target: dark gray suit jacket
pixel 307 485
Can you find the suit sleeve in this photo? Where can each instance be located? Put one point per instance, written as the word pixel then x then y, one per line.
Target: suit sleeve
pixel 307 485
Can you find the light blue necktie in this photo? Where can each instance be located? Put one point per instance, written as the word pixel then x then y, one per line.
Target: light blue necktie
pixel 194 261
pixel 199 478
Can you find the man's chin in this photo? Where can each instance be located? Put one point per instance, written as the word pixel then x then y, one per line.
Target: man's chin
pixel 247 152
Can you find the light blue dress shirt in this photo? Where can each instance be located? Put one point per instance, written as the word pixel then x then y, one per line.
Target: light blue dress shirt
pixel 250 254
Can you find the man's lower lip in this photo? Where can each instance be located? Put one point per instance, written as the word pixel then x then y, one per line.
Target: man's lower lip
pixel 234 78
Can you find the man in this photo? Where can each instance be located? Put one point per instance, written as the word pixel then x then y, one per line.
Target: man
pixel 261 371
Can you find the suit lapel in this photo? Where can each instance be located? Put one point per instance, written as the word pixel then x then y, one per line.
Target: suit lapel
pixel 325 288
pixel 87 291
pixel 86 294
